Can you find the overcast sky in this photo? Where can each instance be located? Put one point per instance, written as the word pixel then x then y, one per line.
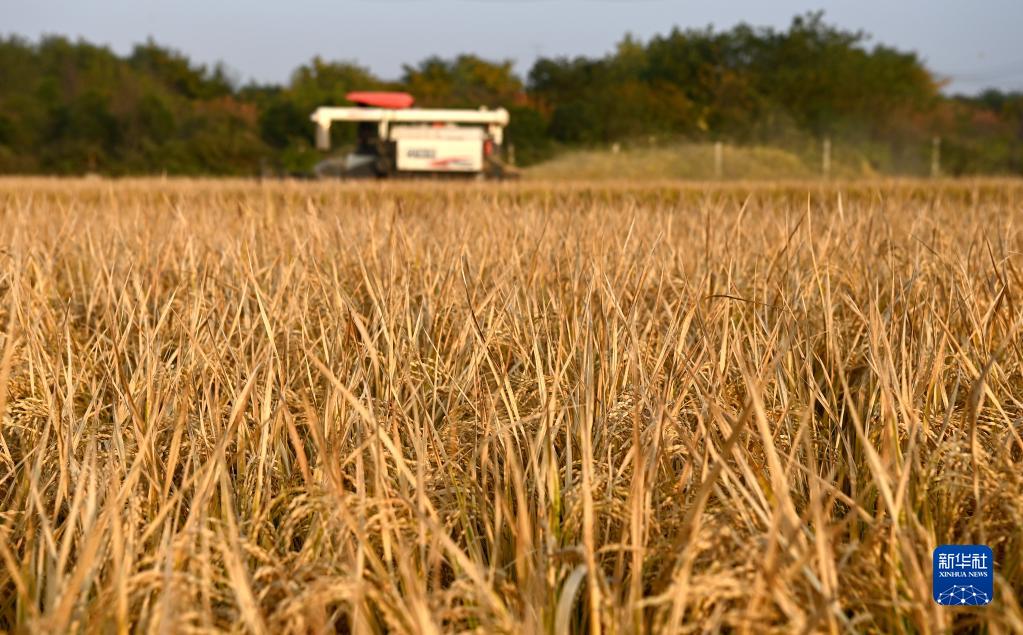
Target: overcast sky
pixel 976 44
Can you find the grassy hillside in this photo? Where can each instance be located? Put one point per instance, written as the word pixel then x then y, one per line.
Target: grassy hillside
pixel 691 161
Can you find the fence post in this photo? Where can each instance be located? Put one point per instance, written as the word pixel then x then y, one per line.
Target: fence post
pixel 935 157
pixel 826 157
pixel 719 159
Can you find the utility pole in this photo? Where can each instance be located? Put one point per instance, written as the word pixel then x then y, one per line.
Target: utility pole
pixel 719 159
pixel 935 157
pixel 826 157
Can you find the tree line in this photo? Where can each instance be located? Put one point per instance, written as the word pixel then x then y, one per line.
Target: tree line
pixel 74 107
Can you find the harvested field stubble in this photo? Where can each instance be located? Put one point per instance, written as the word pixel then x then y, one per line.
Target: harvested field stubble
pixel 423 407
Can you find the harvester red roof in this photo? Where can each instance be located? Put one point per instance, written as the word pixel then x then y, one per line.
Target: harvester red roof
pixel 396 101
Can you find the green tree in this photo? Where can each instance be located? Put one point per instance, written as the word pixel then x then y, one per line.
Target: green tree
pixel 464 82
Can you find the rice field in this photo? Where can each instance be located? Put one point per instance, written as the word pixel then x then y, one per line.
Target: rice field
pixel 427 407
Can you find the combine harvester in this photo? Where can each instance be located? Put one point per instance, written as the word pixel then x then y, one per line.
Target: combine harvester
pixel 395 139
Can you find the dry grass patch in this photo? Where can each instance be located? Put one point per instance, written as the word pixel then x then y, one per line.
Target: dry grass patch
pixel 424 408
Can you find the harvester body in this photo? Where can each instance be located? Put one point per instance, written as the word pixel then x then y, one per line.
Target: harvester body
pixel 395 139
